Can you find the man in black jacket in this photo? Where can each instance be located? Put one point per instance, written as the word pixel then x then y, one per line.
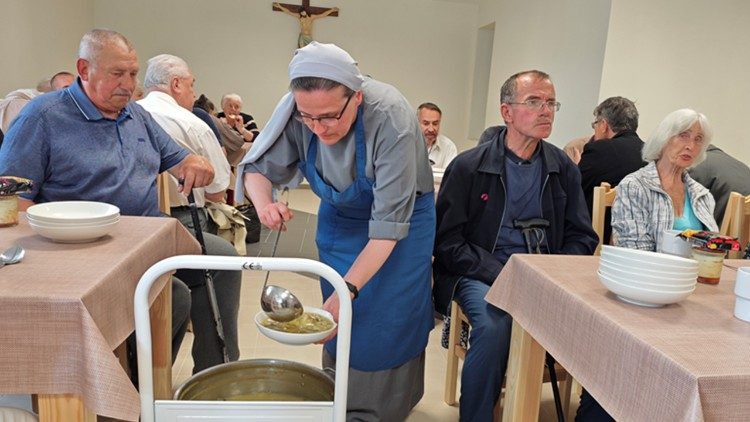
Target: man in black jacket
pixel 615 151
pixel 512 175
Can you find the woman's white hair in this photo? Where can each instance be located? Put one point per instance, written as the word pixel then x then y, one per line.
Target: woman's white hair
pixel 230 97
pixel 675 123
pixel 162 68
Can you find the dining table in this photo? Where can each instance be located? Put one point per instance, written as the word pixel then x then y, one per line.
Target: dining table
pixel 686 361
pixel 68 307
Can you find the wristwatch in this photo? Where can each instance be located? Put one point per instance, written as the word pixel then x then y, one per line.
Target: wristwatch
pixel 352 288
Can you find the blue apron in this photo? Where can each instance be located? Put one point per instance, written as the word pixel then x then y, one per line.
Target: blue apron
pixel 392 316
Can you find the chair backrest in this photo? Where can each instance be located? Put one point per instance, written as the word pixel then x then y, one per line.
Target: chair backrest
pixel 604 197
pixel 162 190
pixel 736 222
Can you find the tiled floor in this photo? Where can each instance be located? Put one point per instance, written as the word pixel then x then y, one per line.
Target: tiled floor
pixel 299 241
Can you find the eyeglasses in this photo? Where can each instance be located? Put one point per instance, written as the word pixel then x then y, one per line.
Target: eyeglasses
pixel 327 121
pixel 593 124
pixel 537 104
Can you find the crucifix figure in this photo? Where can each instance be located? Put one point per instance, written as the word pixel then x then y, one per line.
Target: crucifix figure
pixel 306 15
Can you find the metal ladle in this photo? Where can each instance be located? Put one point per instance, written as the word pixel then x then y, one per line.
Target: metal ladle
pixel 12 255
pixel 277 302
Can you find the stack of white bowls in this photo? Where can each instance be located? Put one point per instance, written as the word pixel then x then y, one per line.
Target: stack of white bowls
pixel 647 278
pixel 73 221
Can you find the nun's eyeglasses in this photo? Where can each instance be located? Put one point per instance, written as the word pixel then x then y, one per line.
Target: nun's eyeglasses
pixel 327 121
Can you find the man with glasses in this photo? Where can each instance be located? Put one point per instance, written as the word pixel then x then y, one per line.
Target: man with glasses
pixel 512 175
pixel 357 142
pixel 614 152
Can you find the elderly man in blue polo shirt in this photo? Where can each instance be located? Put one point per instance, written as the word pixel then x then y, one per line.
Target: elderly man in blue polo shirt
pixel 87 142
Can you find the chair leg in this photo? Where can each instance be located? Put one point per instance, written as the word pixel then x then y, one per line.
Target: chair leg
pixel 566 386
pixel 451 372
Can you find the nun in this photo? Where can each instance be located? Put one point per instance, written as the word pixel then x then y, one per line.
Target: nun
pixel 358 143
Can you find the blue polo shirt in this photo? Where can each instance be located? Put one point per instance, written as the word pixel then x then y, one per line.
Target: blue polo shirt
pixel 66 146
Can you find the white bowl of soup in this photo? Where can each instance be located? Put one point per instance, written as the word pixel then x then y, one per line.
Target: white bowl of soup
pixel 313 326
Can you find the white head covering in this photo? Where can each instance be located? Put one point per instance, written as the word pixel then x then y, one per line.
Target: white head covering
pixel 314 60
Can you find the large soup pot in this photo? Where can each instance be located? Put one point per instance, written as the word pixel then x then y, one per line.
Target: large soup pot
pixel 258 380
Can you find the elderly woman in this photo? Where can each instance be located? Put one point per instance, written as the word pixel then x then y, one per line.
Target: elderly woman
pixel 662 196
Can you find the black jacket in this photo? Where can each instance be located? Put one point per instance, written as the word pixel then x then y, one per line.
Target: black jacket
pixel 471 203
pixel 609 160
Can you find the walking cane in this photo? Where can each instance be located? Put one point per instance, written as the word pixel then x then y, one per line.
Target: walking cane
pixel 210 291
pixel 536 227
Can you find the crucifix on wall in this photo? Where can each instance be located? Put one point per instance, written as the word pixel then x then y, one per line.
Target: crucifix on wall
pixel 306 14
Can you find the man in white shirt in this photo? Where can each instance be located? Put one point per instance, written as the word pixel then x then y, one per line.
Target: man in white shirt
pixel 170 98
pixel 440 149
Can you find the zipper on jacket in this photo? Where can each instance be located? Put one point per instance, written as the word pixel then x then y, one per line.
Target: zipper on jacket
pixel 541 211
pixel 502 217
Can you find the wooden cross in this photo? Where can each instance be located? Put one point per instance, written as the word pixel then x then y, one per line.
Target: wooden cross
pixel 310 10
pixel 306 15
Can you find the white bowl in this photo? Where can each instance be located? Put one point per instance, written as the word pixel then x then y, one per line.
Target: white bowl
pixel 742 308
pixel 742 283
pixel 671 243
pixel 643 297
pixel 77 234
pixel 650 260
pixel 37 222
pixel 73 211
pixel 293 338
pixel 649 257
pixel 636 277
pixel 617 263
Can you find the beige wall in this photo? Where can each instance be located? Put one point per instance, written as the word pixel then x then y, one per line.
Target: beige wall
pixel 423 47
pixel 683 53
pixel 40 38
pixel 565 38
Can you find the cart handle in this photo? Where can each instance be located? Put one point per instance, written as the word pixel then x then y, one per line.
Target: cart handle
pixel 231 263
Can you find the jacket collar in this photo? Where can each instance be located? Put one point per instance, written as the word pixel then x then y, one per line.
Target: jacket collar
pixel 494 160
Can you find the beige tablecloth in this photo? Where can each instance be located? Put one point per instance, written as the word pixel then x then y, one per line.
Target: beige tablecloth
pixel 66 307
pixel 688 361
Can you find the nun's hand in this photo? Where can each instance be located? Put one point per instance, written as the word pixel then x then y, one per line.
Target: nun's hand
pixel 331 305
pixel 274 215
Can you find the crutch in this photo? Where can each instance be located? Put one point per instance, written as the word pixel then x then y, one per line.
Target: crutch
pixel 210 291
pixel 535 227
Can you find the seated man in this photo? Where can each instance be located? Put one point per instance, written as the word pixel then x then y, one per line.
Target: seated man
pixel 440 148
pixel 511 175
pixel 169 83
pixel 722 174
pixel 613 153
pixel 87 142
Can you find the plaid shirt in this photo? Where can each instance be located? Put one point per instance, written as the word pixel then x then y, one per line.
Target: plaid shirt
pixel 642 210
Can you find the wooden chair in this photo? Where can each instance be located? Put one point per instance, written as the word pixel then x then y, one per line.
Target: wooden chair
pixel 604 197
pixel 162 191
pixel 457 352
pixel 736 222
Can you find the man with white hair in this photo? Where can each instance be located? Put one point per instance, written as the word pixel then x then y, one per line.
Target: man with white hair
pixel 170 98
pixel 231 114
pixel 89 142
pixel 169 83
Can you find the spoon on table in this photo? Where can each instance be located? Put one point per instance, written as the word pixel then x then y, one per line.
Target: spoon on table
pixel 12 255
pixel 277 302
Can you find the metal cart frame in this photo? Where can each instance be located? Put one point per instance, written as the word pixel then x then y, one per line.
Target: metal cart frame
pixel 176 410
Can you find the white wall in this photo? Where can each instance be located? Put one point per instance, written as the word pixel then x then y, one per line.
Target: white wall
pixel 565 38
pixel 423 47
pixel 683 53
pixel 39 39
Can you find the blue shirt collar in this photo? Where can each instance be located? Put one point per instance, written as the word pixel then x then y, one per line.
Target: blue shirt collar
pixel 87 107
